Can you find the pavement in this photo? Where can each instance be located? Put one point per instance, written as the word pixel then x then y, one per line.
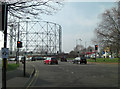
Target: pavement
pixel 0 74
pixel 16 79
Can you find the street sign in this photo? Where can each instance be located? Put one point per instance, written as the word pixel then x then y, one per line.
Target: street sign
pixel 103 52
pixel 5 52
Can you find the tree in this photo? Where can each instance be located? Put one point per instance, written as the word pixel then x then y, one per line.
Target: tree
pixel 23 9
pixel 108 31
pixel 89 49
pixel 78 48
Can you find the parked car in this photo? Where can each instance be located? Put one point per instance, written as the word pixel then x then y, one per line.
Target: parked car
pixel 33 59
pixel 39 58
pixel 63 59
pixel 36 58
pixel 22 59
pixel 80 60
pixel 50 60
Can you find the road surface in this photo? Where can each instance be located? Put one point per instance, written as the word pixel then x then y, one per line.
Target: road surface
pixel 66 74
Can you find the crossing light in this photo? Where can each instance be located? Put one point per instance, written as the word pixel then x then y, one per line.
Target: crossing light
pixel 19 44
pixel 96 47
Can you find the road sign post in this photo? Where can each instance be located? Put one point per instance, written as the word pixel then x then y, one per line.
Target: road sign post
pixel 24 67
pixel 4 28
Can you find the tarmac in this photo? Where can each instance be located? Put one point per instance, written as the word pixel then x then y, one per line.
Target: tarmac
pixel 16 79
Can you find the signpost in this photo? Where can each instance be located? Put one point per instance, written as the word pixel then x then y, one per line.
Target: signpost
pixel 3 27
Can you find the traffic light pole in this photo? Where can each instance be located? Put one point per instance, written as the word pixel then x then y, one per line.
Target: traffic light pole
pixel 24 67
pixel 17 53
pixel 95 55
pixel 96 48
pixel 5 12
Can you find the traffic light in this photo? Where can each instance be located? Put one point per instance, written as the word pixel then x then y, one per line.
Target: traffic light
pixel 96 47
pixel 19 44
pixel 3 15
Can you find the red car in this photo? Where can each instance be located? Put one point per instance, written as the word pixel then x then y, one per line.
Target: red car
pixel 50 60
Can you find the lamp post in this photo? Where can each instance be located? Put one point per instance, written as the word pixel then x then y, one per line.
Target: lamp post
pixel 80 46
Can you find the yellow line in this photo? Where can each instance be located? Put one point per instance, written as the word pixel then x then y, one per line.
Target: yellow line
pixel 34 79
pixel 36 76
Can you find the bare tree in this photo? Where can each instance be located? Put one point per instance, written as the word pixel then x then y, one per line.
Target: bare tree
pixel 78 48
pixel 108 31
pixel 23 9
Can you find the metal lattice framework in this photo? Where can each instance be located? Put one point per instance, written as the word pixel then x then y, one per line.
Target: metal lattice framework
pixel 37 36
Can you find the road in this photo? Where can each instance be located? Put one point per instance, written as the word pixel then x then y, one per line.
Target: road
pixel 66 74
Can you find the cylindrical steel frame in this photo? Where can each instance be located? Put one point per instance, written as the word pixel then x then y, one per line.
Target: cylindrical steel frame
pixel 40 37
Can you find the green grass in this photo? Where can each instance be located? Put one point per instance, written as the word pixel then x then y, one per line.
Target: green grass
pixel 107 60
pixel 101 60
pixel 70 58
pixel 11 67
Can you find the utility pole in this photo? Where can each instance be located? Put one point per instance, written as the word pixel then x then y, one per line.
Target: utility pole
pixel 119 25
pixel 4 22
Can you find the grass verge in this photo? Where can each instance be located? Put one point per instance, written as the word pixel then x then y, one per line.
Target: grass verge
pixel 106 60
pixel 101 60
pixel 12 66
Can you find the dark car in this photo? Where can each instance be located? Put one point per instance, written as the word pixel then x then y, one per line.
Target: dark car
pixel 63 59
pixel 33 59
pixel 83 60
pixel 39 58
pixel 51 60
pixel 80 60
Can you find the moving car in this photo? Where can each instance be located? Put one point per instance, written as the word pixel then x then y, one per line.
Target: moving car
pixel 63 59
pixel 83 60
pixel 80 60
pixel 76 60
pixel 36 58
pixel 50 60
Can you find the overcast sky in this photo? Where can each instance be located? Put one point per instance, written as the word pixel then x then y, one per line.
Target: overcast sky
pixel 78 21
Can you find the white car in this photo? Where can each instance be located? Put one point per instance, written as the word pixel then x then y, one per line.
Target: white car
pixel 76 60
pixel 11 59
pixel 80 60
